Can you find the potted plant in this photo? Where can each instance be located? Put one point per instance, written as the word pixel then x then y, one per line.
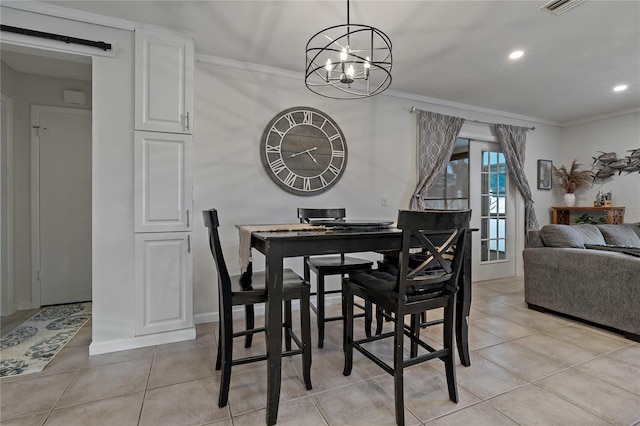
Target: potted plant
pixel 572 179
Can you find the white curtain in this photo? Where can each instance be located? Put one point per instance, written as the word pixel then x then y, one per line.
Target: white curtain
pixel 437 134
pixel 513 140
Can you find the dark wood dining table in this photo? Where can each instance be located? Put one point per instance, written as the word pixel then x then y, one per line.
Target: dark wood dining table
pixel 278 245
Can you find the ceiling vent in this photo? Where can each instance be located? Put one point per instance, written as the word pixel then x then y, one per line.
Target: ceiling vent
pixel 558 7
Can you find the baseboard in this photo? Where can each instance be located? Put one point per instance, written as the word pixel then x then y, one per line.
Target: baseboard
pixel 238 311
pixel 25 306
pixel 97 348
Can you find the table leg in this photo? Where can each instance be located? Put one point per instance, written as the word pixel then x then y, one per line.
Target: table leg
pixel 463 305
pixel 273 325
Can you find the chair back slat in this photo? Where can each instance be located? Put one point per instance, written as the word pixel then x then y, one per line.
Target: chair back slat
pixel 307 215
pixel 224 281
pixel 441 235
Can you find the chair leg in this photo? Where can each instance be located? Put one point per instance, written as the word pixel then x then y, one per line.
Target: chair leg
pixel 249 318
pixel 305 322
pixel 347 313
pixel 450 359
pixel 415 332
pixel 288 325
pixel 368 317
pixel 320 309
pixel 226 344
pixel 379 320
pixel 398 361
pixel 219 355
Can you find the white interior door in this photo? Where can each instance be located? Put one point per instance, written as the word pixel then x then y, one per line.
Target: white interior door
pixel 493 201
pixel 63 214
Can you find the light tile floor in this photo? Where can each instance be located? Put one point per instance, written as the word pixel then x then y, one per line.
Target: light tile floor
pixel 526 368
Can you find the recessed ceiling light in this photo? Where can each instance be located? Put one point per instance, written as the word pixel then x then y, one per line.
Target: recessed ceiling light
pixel 620 88
pixel 516 54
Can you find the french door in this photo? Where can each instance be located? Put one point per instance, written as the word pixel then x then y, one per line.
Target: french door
pixel 493 201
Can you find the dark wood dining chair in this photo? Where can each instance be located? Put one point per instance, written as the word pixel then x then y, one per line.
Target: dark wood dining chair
pixel 324 266
pixel 231 293
pixel 432 284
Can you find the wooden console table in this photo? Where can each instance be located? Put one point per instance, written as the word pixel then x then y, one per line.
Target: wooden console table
pixel 614 215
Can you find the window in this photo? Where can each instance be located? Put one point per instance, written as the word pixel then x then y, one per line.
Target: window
pixel 451 190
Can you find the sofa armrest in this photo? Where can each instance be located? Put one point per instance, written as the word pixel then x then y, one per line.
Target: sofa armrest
pixel 598 286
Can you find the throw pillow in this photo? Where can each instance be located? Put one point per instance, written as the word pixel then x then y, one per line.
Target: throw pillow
pixel 571 236
pixel 620 235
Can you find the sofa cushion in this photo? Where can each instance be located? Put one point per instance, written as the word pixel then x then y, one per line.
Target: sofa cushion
pixel 571 236
pixel 620 235
pixel 631 251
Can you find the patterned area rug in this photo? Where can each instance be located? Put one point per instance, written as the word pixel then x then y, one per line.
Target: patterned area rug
pixel 30 347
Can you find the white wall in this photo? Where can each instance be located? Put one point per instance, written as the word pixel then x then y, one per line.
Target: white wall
pixel 233 105
pixel 30 89
pixel 616 134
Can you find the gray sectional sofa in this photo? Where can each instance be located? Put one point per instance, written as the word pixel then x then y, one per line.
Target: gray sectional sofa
pixel 591 272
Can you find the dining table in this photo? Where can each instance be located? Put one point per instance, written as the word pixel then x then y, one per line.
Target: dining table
pixel 276 245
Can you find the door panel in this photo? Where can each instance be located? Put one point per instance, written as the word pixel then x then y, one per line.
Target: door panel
pixel 164 73
pixel 64 205
pixel 163 284
pixel 163 182
pixel 492 200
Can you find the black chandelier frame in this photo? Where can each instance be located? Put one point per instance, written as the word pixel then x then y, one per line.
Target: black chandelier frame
pixel 370 75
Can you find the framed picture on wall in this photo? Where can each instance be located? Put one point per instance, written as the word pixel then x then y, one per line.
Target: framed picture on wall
pixel 544 174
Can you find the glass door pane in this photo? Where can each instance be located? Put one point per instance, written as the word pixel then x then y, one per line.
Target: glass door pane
pixel 493 201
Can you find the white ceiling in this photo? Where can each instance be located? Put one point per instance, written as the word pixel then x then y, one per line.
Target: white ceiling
pixel 450 50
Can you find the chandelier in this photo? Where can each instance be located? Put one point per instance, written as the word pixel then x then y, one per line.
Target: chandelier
pixel 348 61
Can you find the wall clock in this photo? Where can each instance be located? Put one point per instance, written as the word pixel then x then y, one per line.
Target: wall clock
pixel 303 151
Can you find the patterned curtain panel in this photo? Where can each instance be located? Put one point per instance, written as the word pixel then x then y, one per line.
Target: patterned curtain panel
pixel 513 141
pixel 437 136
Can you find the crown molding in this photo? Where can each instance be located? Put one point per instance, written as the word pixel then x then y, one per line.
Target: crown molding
pixel 600 117
pixel 467 107
pixel 246 66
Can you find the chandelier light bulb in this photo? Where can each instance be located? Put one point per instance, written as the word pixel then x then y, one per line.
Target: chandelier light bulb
pixel 343 54
pixel 367 66
pixel 329 65
pixel 350 71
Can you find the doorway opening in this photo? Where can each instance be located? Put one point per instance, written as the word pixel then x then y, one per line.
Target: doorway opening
pixel 59 83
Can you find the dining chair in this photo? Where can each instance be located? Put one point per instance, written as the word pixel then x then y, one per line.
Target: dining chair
pixel 324 266
pixel 432 284
pixel 231 293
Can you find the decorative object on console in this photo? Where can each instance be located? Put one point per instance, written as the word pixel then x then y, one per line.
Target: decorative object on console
pixel 572 179
pixel 348 61
pixel 303 151
pixel 545 174
pixel 603 200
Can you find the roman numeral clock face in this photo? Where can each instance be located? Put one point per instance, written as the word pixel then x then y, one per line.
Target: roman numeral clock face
pixel 303 151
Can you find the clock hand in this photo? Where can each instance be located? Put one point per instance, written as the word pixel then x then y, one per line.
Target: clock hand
pixel 303 152
pixel 312 157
